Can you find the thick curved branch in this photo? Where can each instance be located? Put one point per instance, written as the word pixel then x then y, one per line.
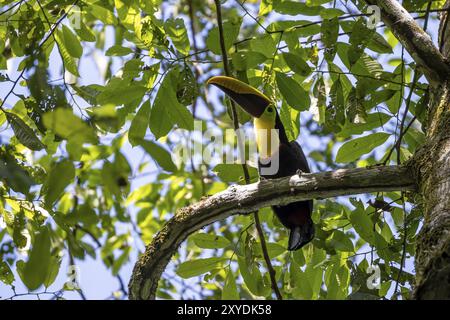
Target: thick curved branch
pixel 244 199
pixel 416 41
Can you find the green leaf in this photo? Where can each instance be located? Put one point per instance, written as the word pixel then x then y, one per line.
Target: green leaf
pixel 85 33
pixel 109 179
pixel 300 28
pixel 88 93
pixel 265 7
pixel 160 121
pixel 177 32
pixel 297 64
pixel 59 177
pixel 356 112
pixel 230 33
pixel 83 214
pixel 273 249
pixel 252 277
pixel 337 95
pixel 233 172
pixel 379 44
pixel 352 150
pixel 23 132
pixel 360 34
pixel 159 154
pixel 106 15
pixel 6 275
pixel 139 125
pixel 289 118
pixel 320 93
pixel 210 241
pixel 167 111
pixel 16 178
pixel 72 43
pixel 197 267
pixel 330 32
pixel 68 60
pixel 53 270
pixel 229 291
pixel 245 60
pixel 341 241
pixel 292 92
pixel 310 280
pixel 36 269
pixel 121 260
pixel 294 8
pixel 330 13
pixel 373 121
pixel 118 51
pixel 362 223
pixel 68 126
pixel 121 94
pixel 379 97
pixel 264 44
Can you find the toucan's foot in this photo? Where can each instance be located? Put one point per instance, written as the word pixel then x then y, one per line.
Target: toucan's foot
pixel 299 172
pixel 261 178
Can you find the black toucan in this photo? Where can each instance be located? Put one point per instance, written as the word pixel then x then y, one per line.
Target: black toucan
pixel 295 216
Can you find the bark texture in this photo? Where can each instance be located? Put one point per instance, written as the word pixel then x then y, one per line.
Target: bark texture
pixel 433 169
pixel 431 162
pixel 249 198
pixel 432 166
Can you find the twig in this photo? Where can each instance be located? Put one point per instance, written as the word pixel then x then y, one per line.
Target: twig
pixel 402 261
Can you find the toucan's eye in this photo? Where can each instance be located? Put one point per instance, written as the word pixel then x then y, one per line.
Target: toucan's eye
pixel 270 109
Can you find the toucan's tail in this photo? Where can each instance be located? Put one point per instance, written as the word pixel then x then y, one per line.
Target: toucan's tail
pixel 300 235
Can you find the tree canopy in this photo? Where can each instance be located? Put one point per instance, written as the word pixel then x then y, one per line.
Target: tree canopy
pixel 96 96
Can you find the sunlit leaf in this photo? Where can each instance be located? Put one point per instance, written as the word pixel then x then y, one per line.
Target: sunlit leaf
pixel 198 267
pixel 59 177
pixel 23 132
pixel 68 126
pixel 353 149
pixel 210 241
pixel 36 269
pixel 295 95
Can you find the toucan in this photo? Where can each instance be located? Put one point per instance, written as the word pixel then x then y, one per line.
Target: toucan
pixel 295 216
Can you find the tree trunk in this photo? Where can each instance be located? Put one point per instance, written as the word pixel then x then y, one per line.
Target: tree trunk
pixel 432 165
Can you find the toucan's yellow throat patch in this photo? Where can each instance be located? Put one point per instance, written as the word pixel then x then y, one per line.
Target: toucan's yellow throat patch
pixel 267 138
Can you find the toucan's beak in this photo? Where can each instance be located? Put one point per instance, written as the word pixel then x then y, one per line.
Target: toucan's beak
pixel 251 100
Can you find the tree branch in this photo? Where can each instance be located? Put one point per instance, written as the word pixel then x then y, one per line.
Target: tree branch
pixel 244 199
pixel 416 41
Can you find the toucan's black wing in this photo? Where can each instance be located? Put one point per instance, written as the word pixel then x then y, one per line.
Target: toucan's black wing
pixel 302 163
pixel 297 215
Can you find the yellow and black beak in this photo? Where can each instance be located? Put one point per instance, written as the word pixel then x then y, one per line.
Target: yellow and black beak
pixel 250 99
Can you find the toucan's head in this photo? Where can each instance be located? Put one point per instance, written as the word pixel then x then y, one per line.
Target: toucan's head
pixel 261 108
pixel 250 99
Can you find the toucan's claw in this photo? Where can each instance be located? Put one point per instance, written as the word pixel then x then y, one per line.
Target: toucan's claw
pixel 299 172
